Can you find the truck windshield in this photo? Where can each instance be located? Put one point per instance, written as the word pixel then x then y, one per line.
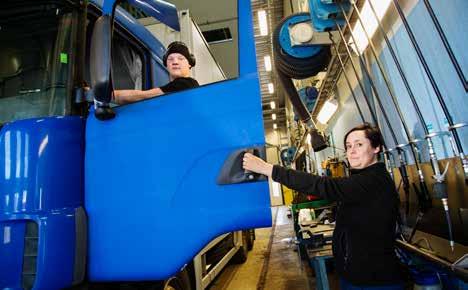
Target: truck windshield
pixel 36 42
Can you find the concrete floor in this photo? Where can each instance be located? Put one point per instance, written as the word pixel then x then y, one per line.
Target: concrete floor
pixel 273 262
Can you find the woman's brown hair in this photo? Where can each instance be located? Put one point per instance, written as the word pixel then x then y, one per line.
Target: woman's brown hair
pixel 372 133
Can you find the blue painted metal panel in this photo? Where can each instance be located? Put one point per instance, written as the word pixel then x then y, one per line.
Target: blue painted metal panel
pixel 161 10
pixel 151 192
pixel 11 253
pixel 107 6
pixel 162 177
pixel 41 180
pixel 324 15
pixel 247 55
pixel 324 11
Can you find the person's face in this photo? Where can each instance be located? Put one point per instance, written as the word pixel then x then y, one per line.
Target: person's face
pixel 359 150
pixel 178 65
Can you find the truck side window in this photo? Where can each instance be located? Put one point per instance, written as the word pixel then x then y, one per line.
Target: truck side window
pixel 127 65
pixel 211 37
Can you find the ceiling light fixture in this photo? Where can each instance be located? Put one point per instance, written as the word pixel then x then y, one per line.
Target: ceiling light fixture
pixel 275 126
pixel 327 111
pixel 267 59
pixel 271 88
pixel 262 21
pixel 273 105
pixel 273 116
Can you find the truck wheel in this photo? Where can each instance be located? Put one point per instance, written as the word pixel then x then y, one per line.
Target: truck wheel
pixel 241 256
pixel 250 239
pixel 181 281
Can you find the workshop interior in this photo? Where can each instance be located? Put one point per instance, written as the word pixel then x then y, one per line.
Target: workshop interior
pixel 152 193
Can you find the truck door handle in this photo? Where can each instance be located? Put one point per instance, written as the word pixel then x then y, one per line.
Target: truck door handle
pixel 250 175
pixel 232 171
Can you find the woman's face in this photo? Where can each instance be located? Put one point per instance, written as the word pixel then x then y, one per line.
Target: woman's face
pixel 359 150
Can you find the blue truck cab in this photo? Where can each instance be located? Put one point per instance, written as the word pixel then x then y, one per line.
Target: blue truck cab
pixel 90 192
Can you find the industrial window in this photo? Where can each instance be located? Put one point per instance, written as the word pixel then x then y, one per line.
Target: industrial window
pixel 217 35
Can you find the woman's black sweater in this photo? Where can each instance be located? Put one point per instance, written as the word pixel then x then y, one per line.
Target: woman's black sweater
pixel 364 236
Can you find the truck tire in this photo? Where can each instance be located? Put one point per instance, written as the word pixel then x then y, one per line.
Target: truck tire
pixel 250 239
pixel 181 281
pixel 241 256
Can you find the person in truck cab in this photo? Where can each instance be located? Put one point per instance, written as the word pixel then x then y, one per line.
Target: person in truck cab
pixel 367 210
pixel 178 61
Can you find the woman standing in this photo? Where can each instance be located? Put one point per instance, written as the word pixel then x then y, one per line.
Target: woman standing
pixel 364 236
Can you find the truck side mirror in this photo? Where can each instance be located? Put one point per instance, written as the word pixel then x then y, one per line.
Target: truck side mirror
pixel 100 67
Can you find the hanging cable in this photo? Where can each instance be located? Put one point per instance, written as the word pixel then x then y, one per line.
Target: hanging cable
pixel 447 46
pixel 423 193
pixel 401 168
pixel 402 158
pixel 350 87
pixel 439 186
pixel 343 65
pixel 448 117
pixel 387 154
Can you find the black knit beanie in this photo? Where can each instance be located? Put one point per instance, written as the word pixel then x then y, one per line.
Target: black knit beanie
pixel 179 47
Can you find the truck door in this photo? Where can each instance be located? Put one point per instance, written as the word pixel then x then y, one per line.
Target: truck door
pixel 164 177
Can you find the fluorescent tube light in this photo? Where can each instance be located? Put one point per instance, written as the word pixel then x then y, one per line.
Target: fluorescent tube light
pixel 276 188
pixel 275 126
pixel 271 88
pixel 327 111
pixel 267 63
pixel 273 116
pixel 262 21
pixel 370 23
pixel 273 105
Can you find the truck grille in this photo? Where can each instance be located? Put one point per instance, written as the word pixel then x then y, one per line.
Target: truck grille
pixel 31 240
